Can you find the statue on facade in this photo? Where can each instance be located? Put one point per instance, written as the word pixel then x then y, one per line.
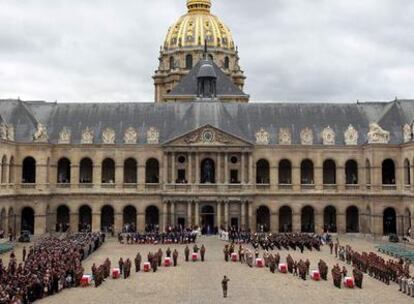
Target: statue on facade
pixel 153 136
pixel 3 131
pixel 262 137
pixel 377 135
pixel 87 136
pixel 108 136
pixel 41 133
pixel 407 133
pixel 328 136
pixel 64 136
pixel 130 136
pixel 285 137
pixel 351 136
pixel 306 136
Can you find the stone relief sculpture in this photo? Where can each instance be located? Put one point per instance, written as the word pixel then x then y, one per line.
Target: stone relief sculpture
pixel 87 136
pixel 10 133
pixel 153 136
pixel 108 136
pixel 285 137
pixel 328 136
pixel 306 136
pixel 377 135
pixel 130 136
pixel 351 136
pixel 64 136
pixel 3 131
pixel 407 133
pixel 41 133
pixel 262 137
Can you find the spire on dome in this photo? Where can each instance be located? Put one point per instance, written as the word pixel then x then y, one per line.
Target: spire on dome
pixel 198 6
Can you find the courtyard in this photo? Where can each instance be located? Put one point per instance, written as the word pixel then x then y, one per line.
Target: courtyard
pixel 201 282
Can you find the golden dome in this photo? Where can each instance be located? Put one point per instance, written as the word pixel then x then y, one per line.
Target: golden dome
pixel 198 25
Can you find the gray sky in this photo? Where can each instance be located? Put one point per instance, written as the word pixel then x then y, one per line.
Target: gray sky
pixel 291 50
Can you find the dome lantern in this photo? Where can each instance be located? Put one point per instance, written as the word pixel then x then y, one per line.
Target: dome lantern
pixel 198 5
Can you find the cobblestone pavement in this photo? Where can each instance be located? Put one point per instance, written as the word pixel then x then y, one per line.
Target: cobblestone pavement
pixel 201 282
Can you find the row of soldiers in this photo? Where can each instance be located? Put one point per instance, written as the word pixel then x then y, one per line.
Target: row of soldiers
pixel 406 285
pixel 286 241
pixel 102 272
pixel 155 237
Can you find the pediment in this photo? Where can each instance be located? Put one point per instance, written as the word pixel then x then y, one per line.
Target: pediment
pixel 207 136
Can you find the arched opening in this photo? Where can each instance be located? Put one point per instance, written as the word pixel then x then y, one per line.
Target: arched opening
pixel 172 65
pixel 285 219
pixel 262 172
pixel 189 62
pixel 63 172
pixel 329 219
pixel 29 171
pixel 208 172
pixel 152 218
pixel 28 220
pixel 207 219
pixel 130 171
pixel 3 169
pixel 351 172
pixel 308 219
pixel 107 218
pixel 407 221
pixel 388 172
pixel 285 172
pixel 368 172
pixel 85 219
pixel 108 171
pixel 263 219
pixel 407 172
pixel 226 63
pixel 11 170
pixel 152 171
pixel 352 219
pixel 329 172
pixel 86 171
pixel 3 221
pixel 62 218
pixel 389 221
pixel 12 221
pixel 130 219
pixel 306 172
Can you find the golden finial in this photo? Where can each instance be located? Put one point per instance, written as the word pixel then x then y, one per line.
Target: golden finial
pixel 198 5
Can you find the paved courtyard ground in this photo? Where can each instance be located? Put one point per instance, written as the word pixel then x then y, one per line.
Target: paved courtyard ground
pixel 201 282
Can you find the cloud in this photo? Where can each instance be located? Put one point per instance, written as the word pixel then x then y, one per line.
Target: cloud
pixel 107 50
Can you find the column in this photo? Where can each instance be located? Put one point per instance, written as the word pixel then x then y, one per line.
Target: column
pixel 119 174
pixel 218 214
pixel 96 221
pixel 296 177
pixel 164 216
pixel 189 214
pixel 296 221
pixel 243 215
pixel 219 179
pixel 226 168
pixel 74 175
pixel 6 174
pixel 118 217
pixel 243 168
pixel 274 221
pixel 165 168
pixel 74 222
pixel 252 219
pixel 141 221
pixel 97 175
pixel 172 214
pixel 141 176
pixel 190 168
pixel 226 214
pixel 40 224
pixel 173 173
pixel 318 176
pixel 251 180
pixel 197 168
pixel 197 214
pixel 340 178
pixel 318 221
pixel 341 222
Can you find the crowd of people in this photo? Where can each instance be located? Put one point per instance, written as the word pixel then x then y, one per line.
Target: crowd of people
pixel 51 265
pixel 171 236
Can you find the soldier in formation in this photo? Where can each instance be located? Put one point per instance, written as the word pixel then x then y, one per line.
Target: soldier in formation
pixel 175 257
pixel 186 253
pixel 337 276
pixel 202 252
pixel 224 285
pixel 137 262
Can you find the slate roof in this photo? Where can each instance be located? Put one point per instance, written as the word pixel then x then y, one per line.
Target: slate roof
pixel 175 119
pixel 188 85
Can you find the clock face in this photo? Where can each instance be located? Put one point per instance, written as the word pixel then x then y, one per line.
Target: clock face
pixel 207 136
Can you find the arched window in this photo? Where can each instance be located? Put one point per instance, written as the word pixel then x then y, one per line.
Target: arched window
pixel 262 172
pixel 308 219
pixel 352 219
pixel 389 221
pixel 152 171
pixel 3 170
pixel 172 65
pixel 107 218
pixel 130 171
pixel 329 172
pixel 63 172
pixel 351 172
pixel 62 218
pixel 407 172
pixel 285 172
pixel 189 62
pixel 306 172
pixel 152 218
pixel 85 218
pixel 329 219
pixel 29 171
pixel 263 219
pixel 368 172
pixel 86 171
pixel 28 220
pixel 226 63
pixel 208 171
pixel 388 172
pixel 285 219
pixel 108 171
pixel 11 170
pixel 130 219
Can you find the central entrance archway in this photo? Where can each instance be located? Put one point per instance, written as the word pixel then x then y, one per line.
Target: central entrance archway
pixel 62 218
pixel 152 218
pixel 390 221
pixel 107 218
pixel 28 220
pixel 263 219
pixel 130 219
pixel 207 219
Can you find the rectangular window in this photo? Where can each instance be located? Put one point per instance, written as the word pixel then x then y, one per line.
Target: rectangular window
pixel 181 177
pixel 234 177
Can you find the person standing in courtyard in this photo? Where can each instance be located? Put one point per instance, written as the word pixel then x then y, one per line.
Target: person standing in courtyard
pixel 224 285
pixel 202 252
pixel 175 257
pixel 186 253
pixel 24 253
